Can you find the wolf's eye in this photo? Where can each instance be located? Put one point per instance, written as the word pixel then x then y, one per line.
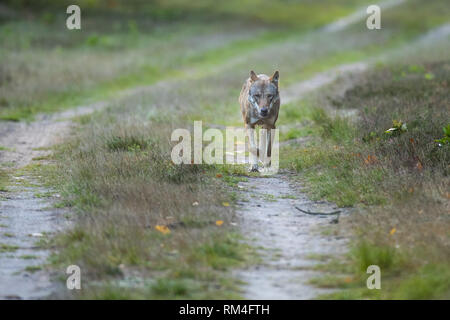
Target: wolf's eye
pixel 270 96
pixel 257 96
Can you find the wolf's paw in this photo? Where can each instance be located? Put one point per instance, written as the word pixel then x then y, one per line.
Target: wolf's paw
pixel 253 168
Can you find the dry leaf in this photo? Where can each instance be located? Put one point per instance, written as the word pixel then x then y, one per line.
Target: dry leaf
pixel 162 229
pixel 419 166
pixel 370 159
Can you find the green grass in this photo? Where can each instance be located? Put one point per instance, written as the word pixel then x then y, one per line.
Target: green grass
pixel 180 67
pixel 397 180
pixel 423 283
pixel 264 12
pixel 288 196
pixel 353 160
pixel 330 175
pixel 119 179
pixel 3 180
pixel 28 257
pixel 233 180
pixel 399 278
pixel 430 282
pixel 33 268
pixel 52 96
pixel 7 248
pixel 329 167
pixel 400 28
pixel 171 60
pixel 114 47
pixel 72 97
pixel 170 54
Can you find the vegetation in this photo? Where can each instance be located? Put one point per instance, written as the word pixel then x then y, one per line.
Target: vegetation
pixel 146 228
pixel 141 214
pixel 117 173
pixel 402 174
pixel 7 248
pixel 3 180
pixel 141 46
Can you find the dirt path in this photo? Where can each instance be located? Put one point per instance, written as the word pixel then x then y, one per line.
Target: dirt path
pixel 24 216
pixel 26 212
pixel 26 219
pixel 297 90
pixel 286 238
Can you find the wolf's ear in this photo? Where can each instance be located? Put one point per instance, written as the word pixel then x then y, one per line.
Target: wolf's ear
pixel 275 78
pixel 253 76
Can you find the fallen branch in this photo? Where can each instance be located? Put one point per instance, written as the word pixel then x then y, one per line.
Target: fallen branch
pixel 318 213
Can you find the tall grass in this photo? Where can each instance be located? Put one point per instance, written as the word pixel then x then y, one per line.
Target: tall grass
pixel 402 175
pixel 136 214
pixel 45 67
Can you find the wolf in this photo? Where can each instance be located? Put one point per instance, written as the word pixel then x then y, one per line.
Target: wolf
pixel 260 104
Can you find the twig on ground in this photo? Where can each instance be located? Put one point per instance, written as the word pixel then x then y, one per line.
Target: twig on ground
pixel 318 213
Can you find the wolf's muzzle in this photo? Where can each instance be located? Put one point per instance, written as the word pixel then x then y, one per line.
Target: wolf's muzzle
pixel 264 112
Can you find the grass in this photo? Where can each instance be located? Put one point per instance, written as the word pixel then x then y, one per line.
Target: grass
pixel 109 57
pixel 117 182
pixel 98 71
pixel 134 208
pixel 381 155
pixel 7 248
pixel 397 179
pixel 33 268
pixel 28 257
pixel 399 280
pixel 264 12
pixel 120 169
pixel 171 54
pixel 3 180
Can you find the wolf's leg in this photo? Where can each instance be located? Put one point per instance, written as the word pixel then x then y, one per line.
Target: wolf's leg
pixel 268 151
pixel 262 146
pixel 253 150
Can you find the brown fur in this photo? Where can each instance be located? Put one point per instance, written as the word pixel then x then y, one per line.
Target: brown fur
pixel 262 80
pixel 264 90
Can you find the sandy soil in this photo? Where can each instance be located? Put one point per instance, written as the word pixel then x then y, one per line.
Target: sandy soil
pixel 286 239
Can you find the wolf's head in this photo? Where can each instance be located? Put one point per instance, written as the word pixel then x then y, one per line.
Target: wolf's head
pixel 263 93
